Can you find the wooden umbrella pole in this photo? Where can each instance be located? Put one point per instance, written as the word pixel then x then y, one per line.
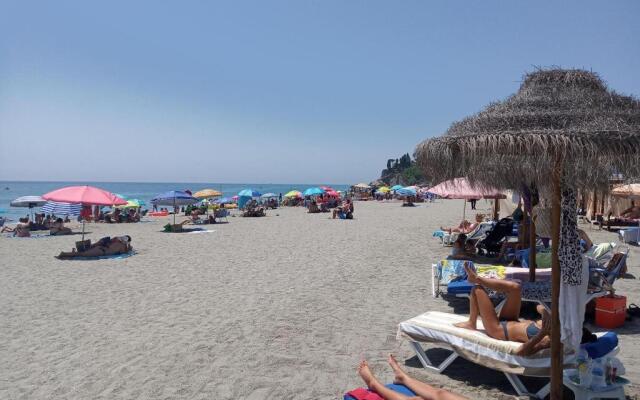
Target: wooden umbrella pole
pixel 532 249
pixel 464 210
pixel 557 354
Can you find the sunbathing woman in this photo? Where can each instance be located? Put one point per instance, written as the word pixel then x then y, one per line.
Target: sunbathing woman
pixel 534 335
pixel 422 390
pixel 465 226
pixel 104 247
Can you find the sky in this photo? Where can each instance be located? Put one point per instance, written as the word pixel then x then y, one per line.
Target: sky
pixel 274 91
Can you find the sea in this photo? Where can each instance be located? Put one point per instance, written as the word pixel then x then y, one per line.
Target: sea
pixel 135 190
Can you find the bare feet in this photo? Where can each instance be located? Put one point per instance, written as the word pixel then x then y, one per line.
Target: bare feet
pixel 466 325
pixel 472 277
pixel 365 373
pixel 399 374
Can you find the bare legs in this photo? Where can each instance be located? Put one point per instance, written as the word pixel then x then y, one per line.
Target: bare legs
pixel 425 391
pixel 480 304
pixel 421 389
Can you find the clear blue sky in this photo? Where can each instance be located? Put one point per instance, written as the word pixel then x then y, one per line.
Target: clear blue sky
pixel 274 91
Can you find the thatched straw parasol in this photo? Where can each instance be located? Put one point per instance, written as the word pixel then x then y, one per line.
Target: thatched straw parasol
pixel 561 126
pixel 567 114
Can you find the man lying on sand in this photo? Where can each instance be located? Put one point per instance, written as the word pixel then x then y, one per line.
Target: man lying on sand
pixel 421 389
pixel 104 247
pixel 534 335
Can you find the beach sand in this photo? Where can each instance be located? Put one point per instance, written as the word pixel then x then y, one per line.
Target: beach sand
pixel 280 307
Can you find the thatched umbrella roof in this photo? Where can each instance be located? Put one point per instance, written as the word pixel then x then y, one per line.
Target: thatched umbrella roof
pixel 569 114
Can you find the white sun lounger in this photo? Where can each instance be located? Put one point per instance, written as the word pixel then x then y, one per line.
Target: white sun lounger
pixel 477 347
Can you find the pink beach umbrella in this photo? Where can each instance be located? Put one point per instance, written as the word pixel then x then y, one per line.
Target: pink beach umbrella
pixel 85 195
pixel 460 188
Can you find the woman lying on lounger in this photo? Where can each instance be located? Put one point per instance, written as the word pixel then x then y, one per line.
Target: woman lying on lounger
pixel 422 390
pixel 465 226
pixel 104 247
pixel 507 326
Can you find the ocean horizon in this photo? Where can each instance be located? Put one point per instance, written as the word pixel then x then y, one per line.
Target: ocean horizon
pixel 10 190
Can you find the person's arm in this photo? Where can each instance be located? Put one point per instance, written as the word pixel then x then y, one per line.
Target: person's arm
pixel 535 344
pixel 540 341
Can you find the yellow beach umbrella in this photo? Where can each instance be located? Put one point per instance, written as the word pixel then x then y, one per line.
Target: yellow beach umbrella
pixel 207 193
pixel 293 193
pixel 384 189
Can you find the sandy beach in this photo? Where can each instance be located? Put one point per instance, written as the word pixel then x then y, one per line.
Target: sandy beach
pixel 281 307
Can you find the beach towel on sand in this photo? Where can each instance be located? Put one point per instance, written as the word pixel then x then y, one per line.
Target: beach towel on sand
pixel 366 394
pixel 110 257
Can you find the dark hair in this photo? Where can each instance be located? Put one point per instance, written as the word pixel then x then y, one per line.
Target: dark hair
pixel 128 237
pixel 59 220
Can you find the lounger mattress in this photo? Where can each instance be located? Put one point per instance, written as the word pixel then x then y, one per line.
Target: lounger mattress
pixel 477 346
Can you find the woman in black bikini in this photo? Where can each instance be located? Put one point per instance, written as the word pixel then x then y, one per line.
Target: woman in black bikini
pixel 534 335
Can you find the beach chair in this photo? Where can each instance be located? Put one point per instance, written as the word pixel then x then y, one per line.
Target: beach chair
pixel 630 235
pixel 221 213
pixel 438 328
pixel 445 272
pixel 603 275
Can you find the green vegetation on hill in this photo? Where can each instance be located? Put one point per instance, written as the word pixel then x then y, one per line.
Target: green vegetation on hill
pixel 403 171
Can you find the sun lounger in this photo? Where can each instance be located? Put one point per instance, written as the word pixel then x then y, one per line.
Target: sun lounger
pixel 630 235
pixel 476 346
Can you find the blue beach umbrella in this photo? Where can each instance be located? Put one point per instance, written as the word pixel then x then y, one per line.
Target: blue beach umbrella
pixel 314 191
pixel 59 208
pixel 249 193
pixel 396 187
pixel 223 200
pixel 406 191
pixel 268 196
pixel 174 198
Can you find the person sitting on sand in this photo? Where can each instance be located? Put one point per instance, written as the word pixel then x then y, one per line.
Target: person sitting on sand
pixel 20 230
pixel 346 208
pixel 422 390
pixel 104 247
pixel 313 207
pixel 57 228
pixel 534 335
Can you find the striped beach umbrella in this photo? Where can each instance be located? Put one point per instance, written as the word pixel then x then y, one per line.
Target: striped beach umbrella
pixel 61 209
